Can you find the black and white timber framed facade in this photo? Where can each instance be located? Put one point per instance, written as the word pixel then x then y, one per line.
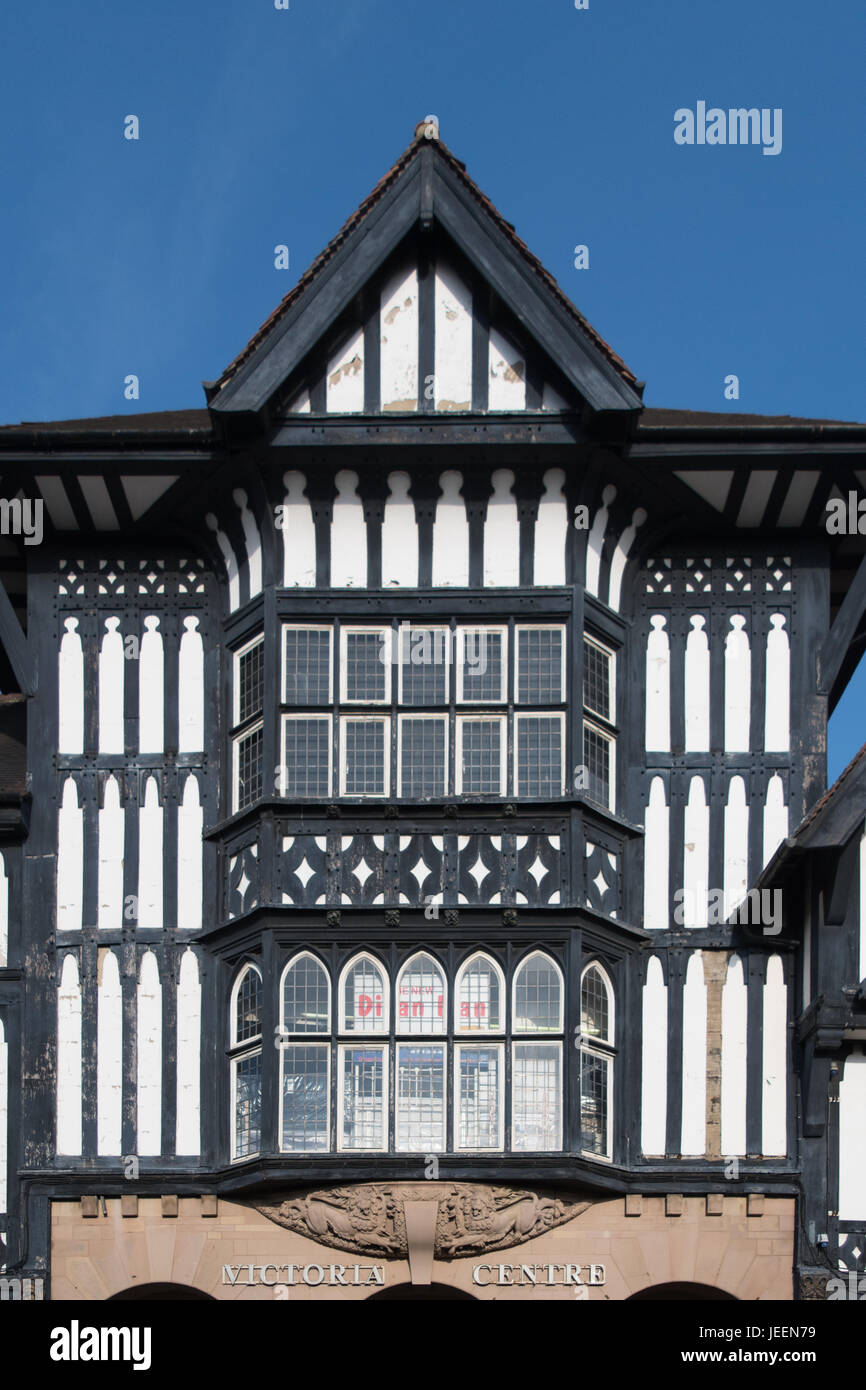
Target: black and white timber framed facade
pixel 385 750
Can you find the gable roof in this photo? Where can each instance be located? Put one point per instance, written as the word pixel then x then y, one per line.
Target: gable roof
pixel 426 184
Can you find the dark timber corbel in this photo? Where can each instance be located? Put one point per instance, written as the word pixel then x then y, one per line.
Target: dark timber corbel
pixel 835 646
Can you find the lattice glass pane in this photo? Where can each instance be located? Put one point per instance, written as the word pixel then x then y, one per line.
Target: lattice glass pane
pixel 307 744
pixel 537 997
pixel 422 757
pixel 596 680
pixel 305 1099
pixel 594 1014
pixel 596 756
pixel 481 755
pixel 248 1105
pixel 364 757
pixel 539 666
pixel 482 664
pixel 363 1085
pixel 305 998
pixel 367 656
pixel 248 1008
pixel 594 1090
pixel 420 1099
pixel 478 1098
pixel 249 768
pixel 539 755
pixel 421 997
pixel 424 666
pixel 478 998
pixel 536 1097
pixel 251 682
pixel 307 655
pixel 364 1000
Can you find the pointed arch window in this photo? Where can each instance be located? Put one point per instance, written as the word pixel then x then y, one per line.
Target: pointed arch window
pixel 246 1063
pixel 536 1096
pixel 305 1064
pixel 596 1061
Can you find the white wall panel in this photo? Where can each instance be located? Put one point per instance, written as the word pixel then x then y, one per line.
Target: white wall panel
pixel 344 380
pixel 658 687
pixel 694 1130
pixel 852 1139
pixel 190 712
pixel 502 534
pixel 299 534
pixel 399 342
pixel 551 531
pixel 188 1057
pixel 111 674
pixel 451 535
pixel 453 341
pixel 150 867
pixel 507 386
pixel 775 1061
pixel 70 733
pixel 109 1055
pixel 149 1038
pixel 777 691
pixel 654 1082
pixel 697 693
pixel 111 849
pixel 736 844
pixel 734 1011
pixel 656 903
pixel 399 536
pixel 69 1059
pixel 151 688
pixel 738 687
pixel 189 857
pixel 348 535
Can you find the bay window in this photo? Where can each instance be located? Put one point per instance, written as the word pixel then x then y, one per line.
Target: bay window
pixel 596 1062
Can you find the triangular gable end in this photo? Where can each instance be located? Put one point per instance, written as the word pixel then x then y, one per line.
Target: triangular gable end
pixel 426 300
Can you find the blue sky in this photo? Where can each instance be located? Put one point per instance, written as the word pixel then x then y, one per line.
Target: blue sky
pixel 260 127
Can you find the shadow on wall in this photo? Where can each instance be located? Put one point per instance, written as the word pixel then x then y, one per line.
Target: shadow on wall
pixel 681 1293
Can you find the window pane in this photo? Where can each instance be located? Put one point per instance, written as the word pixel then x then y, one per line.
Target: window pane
pixel 539 666
pixel 478 1007
pixel 364 756
pixel 305 998
pixel 420 1099
pixel 363 1120
pixel 481 753
pixel 249 765
pixel 594 1078
pixel 424 666
pixel 596 756
pixel 308 666
pixel 596 680
pixel 251 677
pixel 593 1005
pixel 364 1002
pixel 248 1008
pixel 422 757
pixel 536 1097
pixel 305 1099
pixel 421 997
pixel 478 1098
pixel 537 997
pixel 539 755
pixel 366 666
pixel 248 1105
pixel 307 761
pixel 482 664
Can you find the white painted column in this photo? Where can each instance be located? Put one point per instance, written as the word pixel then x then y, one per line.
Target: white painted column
pixel 69 1059
pixel 190 698
pixel 451 535
pixel 70 859
pixel 656 856
pixel 149 1036
pixel 150 865
pixel 775 817
pixel 229 559
pixel 398 346
pixel 189 857
pixel 852 1139
pixel 70 731
pixel 694 1131
pixel 551 531
pixel 109 1055
pixel 696 855
pixel 502 534
pixel 453 341
pixel 774 1142
pixel 738 686
pixel 151 688
pixel 697 683
pixel 188 1057
pixel 110 877
pixel 654 1073
pixel 658 687
pixel 595 540
pixel 299 534
pixel 399 536
pixel 111 664
pixel 777 690
pixel 736 844
pixel 252 541
pixel 734 1012
pixel 619 559
pixel 348 535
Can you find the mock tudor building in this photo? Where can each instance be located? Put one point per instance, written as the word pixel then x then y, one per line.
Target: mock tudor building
pixel 387 752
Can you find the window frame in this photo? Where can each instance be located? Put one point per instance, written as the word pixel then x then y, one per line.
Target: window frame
pixel 296 713
pixel 386 634
pixel 342 1029
pixel 366 1043
pixel 475 718
pixel 238 652
pixel 461 698
pixel 386 754
pixel 403 704
pixel 526 705
pixel 243 1051
pixel 287 627
pixel 466 1033
pixel 603 1050
pixel 503 1097
pixel 538 713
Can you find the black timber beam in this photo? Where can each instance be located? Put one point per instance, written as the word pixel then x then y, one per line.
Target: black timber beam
pixel 831 658
pixel 16 646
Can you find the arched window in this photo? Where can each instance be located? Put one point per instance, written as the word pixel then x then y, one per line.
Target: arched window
pixel 420 1073
pixel 596 1061
pixel 536 1105
pixel 363 1068
pixel 421 997
pixel 480 996
pixel 246 1063
pixel 305 1065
